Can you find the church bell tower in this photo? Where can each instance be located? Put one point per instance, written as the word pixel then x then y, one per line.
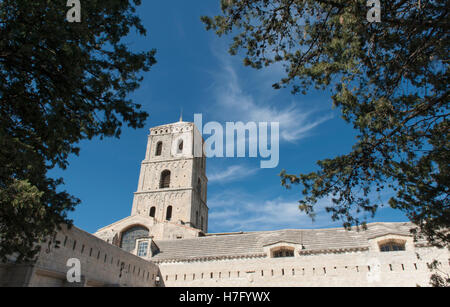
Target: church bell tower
pixel 172 183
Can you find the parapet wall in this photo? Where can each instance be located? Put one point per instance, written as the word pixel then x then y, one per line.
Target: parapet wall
pixel 101 264
pixel 362 268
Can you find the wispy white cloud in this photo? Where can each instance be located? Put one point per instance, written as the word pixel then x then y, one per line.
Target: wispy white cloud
pixel 249 97
pixel 231 173
pixel 261 105
pixel 236 211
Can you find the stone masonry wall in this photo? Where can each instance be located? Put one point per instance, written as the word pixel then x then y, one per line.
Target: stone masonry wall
pixel 102 264
pixel 363 268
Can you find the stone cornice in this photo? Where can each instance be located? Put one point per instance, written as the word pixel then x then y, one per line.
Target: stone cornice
pixel 391 233
pixel 154 160
pixel 282 241
pixel 258 255
pixel 161 130
pixel 333 250
pixel 209 258
pixel 163 190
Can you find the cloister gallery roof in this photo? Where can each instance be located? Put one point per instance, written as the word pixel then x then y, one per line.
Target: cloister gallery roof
pixel 252 244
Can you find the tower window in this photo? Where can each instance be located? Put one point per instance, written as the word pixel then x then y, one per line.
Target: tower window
pixel 180 146
pixel 115 240
pixel 169 213
pixel 165 179
pixel 158 149
pixel 152 211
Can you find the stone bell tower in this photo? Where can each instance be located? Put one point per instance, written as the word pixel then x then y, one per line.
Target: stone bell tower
pixel 172 182
pixel 170 200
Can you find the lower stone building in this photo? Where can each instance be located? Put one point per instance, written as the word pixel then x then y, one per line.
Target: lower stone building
pixel 383 255
pixel 164 241
pixel 100 264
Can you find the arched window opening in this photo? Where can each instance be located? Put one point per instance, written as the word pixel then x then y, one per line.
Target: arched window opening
pixel 203 162
pixel 165 180
pixel 199 187
pixel 152 211
pixel 115 240
pixel 158 149
pixel 169 213
pixel 392 246
pixel 129 237
pixel 283 252
pixel 180 146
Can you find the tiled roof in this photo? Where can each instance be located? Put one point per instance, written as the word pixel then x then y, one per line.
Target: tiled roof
pixel 250 244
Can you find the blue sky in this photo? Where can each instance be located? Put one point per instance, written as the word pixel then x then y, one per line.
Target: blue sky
pixel 194 72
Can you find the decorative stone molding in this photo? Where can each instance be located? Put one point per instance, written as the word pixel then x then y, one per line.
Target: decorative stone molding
pixel 209 258
pixel 270 248
pixel 334 250
pixel 172 128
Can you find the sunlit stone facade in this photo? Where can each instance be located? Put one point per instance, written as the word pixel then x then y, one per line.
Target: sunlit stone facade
pixel 164 242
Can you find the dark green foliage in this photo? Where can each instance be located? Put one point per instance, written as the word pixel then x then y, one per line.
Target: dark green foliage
pixel 439 278
pixel 60 83
pixel 388 79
